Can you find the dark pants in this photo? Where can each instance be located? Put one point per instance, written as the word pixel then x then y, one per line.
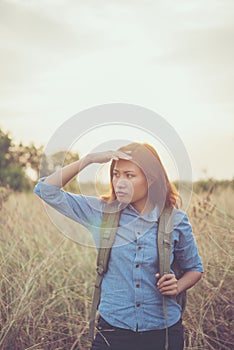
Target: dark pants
pixel 113 338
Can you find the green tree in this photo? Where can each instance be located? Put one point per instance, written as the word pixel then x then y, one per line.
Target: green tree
pixel 11 173
pixel 57 160
pixel 17 159
pixel 28 157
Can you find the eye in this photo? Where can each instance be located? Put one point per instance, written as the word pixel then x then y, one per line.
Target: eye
pixel 129 176
pixel 115 174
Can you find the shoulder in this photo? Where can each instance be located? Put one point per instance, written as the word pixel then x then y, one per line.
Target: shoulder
pixel 180 216
pixel 182 224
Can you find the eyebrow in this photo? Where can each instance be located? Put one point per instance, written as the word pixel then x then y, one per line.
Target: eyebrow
pixel 126 171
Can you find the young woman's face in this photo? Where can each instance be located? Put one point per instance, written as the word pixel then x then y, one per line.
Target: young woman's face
pixel 130 184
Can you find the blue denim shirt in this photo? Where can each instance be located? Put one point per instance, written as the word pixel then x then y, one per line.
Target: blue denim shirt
pixel 130 298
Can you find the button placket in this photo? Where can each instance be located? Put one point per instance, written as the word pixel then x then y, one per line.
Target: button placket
pixel 139 228
pixel 137 277
pixel 141 238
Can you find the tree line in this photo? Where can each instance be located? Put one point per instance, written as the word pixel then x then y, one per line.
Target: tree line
pixel 19 162
pixel 21 165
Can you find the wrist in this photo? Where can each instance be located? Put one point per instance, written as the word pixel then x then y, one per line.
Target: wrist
pixel 179 287
pixel 86 160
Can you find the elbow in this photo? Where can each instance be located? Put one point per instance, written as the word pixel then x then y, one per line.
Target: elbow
pixel 194 276
pixel 197 276
pixel 201 275
pixel 36 190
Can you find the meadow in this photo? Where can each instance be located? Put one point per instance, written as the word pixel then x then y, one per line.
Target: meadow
pixel 47 280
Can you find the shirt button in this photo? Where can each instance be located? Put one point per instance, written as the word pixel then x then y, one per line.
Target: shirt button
pixel 137 265
pixel 138 233
pixel 139 248
pixel 137 285
pixel 138 305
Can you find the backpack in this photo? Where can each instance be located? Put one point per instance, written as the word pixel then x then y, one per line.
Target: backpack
pixel 164 245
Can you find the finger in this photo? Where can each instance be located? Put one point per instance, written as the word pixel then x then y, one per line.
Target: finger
pixel 124 155
pixel 169 292
pixel 168 282
pixel 166 277
pixel 167 287
pixel 121 156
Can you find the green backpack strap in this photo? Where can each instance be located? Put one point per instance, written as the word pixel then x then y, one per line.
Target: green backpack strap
pixel 108 230
pixel 164 239
pixel 164 245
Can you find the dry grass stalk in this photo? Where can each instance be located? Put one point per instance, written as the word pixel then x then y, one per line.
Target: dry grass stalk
pixel 47 280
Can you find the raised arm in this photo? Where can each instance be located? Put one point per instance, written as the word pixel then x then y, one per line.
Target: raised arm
pixel 62 176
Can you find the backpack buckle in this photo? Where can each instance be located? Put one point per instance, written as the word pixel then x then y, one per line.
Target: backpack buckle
pixel 100 270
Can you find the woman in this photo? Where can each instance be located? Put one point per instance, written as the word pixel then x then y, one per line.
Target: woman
pixel 131 308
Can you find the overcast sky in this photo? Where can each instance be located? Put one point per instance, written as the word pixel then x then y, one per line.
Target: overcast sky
pixel 174 57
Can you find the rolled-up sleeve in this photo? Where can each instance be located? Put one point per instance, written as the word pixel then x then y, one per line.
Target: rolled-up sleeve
pixel 185 248
pixel 86 210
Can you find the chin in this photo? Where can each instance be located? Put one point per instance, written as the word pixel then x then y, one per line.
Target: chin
pixel 124 200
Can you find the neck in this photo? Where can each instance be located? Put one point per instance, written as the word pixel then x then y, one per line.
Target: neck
pixel 143 208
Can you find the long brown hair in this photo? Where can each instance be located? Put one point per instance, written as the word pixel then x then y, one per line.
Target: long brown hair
pixel 171 196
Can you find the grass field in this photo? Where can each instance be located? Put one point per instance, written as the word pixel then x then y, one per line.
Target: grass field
pixel 47 280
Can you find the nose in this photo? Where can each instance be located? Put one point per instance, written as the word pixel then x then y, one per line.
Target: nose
pixel 121 184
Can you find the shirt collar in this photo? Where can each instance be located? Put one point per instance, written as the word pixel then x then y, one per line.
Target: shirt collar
pixel 152 216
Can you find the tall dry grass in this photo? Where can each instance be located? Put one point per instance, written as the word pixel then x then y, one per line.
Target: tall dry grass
pixel 208 317
pixel 47 280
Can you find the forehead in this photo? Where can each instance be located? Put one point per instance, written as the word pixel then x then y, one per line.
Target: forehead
pixel 126 165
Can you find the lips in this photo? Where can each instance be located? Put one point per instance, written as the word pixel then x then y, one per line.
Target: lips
pixel 121 194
